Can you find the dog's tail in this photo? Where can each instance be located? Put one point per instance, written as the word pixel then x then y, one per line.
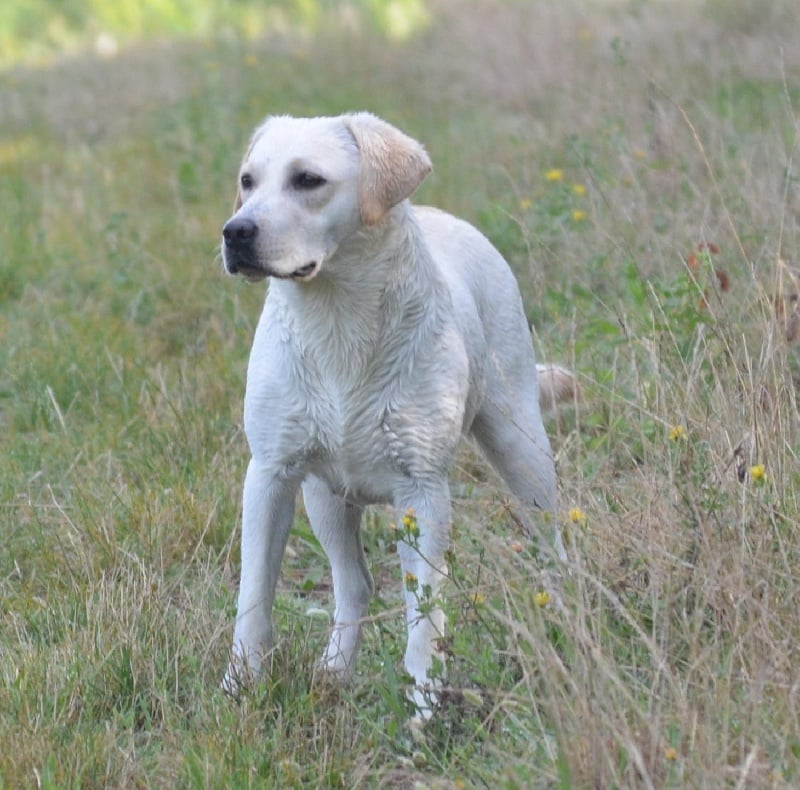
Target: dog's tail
pixel 556 385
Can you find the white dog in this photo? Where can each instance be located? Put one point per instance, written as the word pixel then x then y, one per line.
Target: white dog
pixel 388 332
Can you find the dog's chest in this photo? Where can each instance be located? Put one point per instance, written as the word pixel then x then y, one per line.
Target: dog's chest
pixel 368 411
pixel 359 451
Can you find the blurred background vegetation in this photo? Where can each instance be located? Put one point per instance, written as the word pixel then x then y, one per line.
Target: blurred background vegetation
pixel 37 30
pixel 636 161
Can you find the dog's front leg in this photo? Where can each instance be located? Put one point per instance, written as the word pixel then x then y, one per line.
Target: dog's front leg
pixel 267 514
pixel 337 526
pixel 425 519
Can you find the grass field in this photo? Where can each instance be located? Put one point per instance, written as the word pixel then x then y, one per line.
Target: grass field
pixel 636 163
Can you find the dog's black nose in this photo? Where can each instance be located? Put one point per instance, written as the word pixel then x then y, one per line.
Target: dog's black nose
pixel 239 232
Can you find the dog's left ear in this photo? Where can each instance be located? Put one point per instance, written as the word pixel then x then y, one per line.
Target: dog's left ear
pixel 393 164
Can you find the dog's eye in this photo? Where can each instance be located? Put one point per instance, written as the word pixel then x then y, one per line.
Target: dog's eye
pixel 306 180
pixel 246 181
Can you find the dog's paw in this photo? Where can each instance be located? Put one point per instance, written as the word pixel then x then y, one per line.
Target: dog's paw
pixel 336 672
pixel 336 663
pixel 233 683
pixel 241 674
pixel 425 701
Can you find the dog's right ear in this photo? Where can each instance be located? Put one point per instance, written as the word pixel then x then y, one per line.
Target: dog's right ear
pixel 393 164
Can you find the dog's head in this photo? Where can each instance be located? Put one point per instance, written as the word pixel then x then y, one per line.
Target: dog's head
pixel 307 184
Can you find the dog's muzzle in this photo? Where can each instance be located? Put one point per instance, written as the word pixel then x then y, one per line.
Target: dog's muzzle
pixel 239 252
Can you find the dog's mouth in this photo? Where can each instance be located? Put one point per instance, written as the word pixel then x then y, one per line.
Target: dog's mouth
pixel 256 273
pixel 305 272
pixel 253 275
pixel 250 273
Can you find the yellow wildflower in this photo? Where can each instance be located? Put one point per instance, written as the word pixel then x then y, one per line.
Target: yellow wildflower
pixel 542 598
pixel 671 753
pixel 578 215
pixel 676 433
pixel 576 515
pixel 578 189
pixel 477 598
pixel 758 473
pixel 554 174
pixel 410 523
pixel 525 204
pixel 411 582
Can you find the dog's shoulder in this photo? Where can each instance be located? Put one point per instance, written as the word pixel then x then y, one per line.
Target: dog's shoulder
pixel 454 240
pixel 468 261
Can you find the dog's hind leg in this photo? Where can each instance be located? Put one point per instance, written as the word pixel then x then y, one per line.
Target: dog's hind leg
pixel 337 526
pixel 514 440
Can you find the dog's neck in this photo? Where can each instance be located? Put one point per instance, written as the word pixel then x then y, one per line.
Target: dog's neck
pixel 380 284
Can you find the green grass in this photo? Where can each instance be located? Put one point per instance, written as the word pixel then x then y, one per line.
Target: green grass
pixel 666 279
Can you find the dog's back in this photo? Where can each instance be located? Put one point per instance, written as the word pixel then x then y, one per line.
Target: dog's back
pixel 483 288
